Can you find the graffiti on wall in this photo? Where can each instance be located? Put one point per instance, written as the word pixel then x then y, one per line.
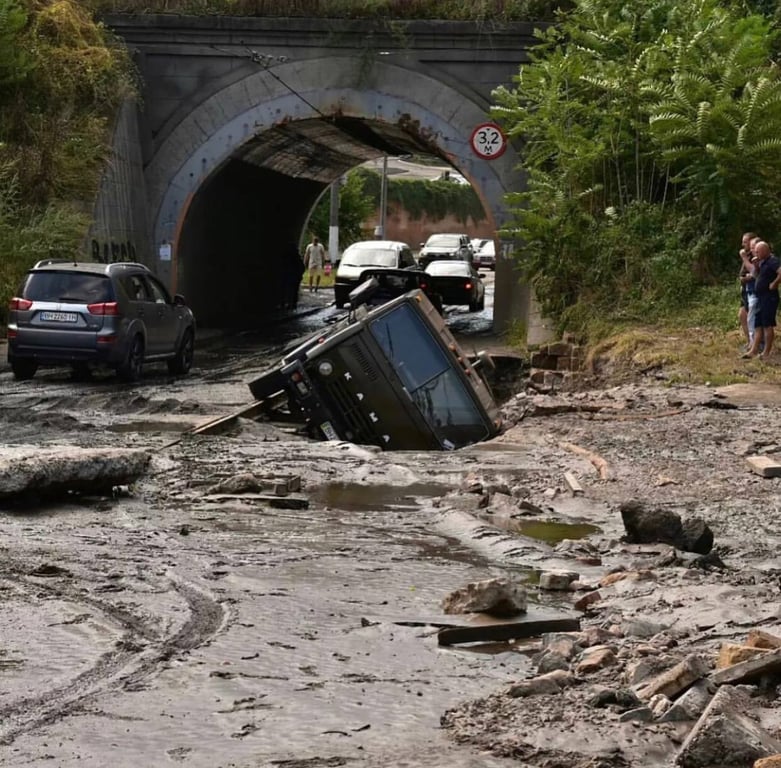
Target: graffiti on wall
pixel 109 251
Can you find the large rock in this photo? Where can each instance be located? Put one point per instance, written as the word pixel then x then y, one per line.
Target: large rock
pixel 645 525
pixel 56 472
pixel 497 597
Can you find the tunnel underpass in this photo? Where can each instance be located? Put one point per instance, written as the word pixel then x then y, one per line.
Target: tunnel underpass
pixel 243 217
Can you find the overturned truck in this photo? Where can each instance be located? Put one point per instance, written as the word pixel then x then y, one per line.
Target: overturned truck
pixel 391 375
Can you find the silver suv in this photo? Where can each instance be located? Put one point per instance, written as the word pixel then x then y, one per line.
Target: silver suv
pixel 83 313
pixel 445 246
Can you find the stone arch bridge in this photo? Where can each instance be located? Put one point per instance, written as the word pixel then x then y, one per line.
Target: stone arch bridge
pixel 244 122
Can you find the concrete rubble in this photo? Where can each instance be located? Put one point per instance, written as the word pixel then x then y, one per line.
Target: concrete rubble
pixel 496 597
pixel 50 473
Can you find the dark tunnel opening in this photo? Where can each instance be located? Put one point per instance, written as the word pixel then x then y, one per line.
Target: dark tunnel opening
pixel 245 216
pixel 230 265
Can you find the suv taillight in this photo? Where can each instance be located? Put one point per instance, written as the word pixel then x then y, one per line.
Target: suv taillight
pixel 19 304
pixel 104 308
pixel 468 285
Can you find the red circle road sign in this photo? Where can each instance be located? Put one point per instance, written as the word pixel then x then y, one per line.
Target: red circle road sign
pixel 488 141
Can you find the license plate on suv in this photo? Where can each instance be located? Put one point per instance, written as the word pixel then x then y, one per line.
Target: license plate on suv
pixel 59 317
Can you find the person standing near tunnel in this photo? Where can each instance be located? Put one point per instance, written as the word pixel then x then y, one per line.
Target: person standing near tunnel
pixel 314 260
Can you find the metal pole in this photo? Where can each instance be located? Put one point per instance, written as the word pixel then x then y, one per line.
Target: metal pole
pixel 383 196
pixel 333 222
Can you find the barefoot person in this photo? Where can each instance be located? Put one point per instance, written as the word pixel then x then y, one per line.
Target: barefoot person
pixel 767 272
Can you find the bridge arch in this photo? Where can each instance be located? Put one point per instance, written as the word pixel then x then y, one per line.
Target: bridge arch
pixel 234 180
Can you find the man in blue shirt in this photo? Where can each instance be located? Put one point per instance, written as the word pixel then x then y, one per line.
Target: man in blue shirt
pixel 767 271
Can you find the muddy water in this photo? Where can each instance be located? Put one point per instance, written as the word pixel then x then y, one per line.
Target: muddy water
pixel 257 636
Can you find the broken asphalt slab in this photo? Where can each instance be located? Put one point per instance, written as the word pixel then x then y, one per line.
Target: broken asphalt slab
pixel 50 473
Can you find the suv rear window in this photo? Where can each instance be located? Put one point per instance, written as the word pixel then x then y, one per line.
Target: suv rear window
pixel 68 287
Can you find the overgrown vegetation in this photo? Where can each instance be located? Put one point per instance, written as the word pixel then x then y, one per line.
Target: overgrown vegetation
pixel 421 198
pixel 61 80
pixel 355 206
pixel 474 10
pixel 651 141
pixel 360 197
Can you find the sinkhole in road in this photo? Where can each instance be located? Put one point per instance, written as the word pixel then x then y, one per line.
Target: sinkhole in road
pixel 357 497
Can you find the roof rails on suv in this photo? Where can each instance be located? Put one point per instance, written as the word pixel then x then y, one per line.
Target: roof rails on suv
pixel 47 262
pixel 105 267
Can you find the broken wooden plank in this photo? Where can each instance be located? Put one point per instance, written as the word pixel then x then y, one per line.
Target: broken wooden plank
pixel 676 679
pixel 764 466
pixel 758 638
pixel 221 423
pixel 573 484
pixel 596 460
pixel 748 671
pixel 508 630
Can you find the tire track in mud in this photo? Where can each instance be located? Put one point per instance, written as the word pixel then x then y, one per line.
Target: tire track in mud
pixel 136 658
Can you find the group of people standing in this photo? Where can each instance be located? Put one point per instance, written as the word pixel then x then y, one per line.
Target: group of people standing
pixel 760 275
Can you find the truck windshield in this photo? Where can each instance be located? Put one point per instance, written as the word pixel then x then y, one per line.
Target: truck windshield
pixel 428 375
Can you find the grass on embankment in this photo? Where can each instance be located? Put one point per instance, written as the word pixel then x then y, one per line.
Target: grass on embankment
pixel 696 344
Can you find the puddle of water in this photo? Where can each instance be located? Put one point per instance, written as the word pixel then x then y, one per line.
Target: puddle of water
pixel 549 531
pixel 378 498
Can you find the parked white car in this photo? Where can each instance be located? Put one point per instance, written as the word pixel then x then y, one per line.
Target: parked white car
pixel 369 254
pixel 484 253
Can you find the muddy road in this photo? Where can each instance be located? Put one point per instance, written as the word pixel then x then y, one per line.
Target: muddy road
pixel 169 624
pixel 185 621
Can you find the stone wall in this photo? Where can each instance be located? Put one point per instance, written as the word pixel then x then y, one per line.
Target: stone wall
pixel 554 365
pixel 120 227
pixel 399 225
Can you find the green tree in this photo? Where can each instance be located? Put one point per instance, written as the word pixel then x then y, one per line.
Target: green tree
pixel 640 128
pixel 355 206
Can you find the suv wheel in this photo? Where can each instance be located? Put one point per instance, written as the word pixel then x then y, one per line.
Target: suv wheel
pixel 183 360
pixel 130 369
pixel 24 369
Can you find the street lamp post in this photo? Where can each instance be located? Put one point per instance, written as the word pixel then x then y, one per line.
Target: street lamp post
pixel 383 197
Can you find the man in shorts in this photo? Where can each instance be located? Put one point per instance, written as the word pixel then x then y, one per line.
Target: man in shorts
pixel 314 260
pixel 767 270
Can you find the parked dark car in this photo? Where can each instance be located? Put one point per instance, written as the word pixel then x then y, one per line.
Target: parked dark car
pixel 458 282
pixel 369 254
pixel 391 283
pixel 392 376
pixel 445 246
pixel 83 313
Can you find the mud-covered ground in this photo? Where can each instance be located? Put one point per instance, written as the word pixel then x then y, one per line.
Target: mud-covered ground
pixel 179 623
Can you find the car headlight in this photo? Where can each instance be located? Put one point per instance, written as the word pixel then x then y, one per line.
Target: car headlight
pixel 325 368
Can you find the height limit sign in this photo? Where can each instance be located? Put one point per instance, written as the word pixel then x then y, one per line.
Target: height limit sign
pixel 488 141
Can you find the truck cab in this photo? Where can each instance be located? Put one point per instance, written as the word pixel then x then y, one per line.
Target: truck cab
pixel 392 376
